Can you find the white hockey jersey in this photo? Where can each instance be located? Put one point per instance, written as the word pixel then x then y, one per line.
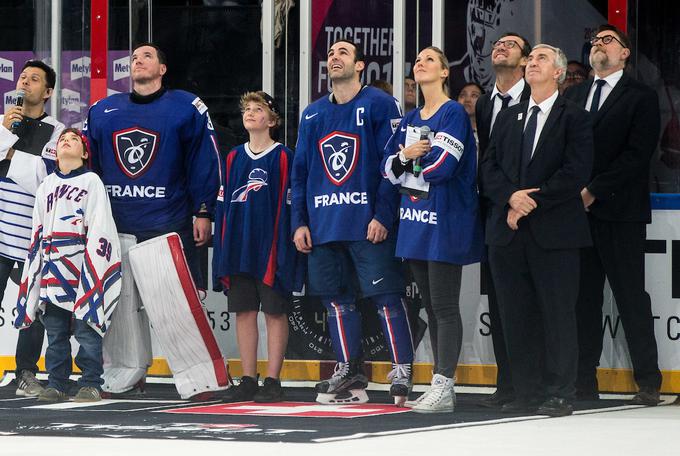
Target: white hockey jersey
pixel 74 257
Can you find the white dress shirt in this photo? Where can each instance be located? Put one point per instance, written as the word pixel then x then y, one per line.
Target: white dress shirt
pixel 545 106
pixel 515 93
pixel 611 81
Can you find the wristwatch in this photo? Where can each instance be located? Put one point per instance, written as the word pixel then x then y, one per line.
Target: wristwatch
pixel 402 158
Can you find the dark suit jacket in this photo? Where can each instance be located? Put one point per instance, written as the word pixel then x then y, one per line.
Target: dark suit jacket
pixel 560 167
pixel 483 114
pixel 626 131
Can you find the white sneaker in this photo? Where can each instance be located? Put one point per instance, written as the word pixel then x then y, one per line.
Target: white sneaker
pixel 416 401
pixel 440 398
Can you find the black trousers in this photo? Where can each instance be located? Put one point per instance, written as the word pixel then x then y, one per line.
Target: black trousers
pixel 29 340
pixel 617 254
pixel 439 285
pixel 500 352
pixel 537 290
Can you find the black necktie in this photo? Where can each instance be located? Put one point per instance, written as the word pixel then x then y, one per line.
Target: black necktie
pixel 595 105
pixel 528 142
pixel 505 100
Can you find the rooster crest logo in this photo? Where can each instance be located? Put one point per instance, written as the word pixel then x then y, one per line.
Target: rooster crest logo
pixel 256 180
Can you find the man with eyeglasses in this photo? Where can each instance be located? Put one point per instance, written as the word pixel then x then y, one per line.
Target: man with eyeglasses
pixel 509 58
pixel 626 124
pixel 539 158
pixel 576 73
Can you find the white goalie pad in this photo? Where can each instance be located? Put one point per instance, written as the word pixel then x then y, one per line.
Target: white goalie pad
pixel 177 317
pixel 127 344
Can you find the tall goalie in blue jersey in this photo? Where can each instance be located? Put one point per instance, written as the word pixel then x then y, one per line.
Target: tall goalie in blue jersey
pixel 344 218
pixel 156 152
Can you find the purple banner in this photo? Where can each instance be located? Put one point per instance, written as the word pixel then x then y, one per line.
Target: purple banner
pixel 368 24
pixel 10 69
pixel 75 80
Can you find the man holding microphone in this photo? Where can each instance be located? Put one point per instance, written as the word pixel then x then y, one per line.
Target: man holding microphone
pixel 28 138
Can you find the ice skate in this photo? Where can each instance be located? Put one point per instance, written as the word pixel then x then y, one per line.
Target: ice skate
pixel 346 386
pixel 440 398
pixel 402 383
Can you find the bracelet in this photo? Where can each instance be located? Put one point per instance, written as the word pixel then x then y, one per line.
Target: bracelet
pixel 402 158
pixel 203 215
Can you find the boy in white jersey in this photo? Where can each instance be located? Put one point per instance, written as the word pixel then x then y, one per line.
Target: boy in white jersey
pixel 71 278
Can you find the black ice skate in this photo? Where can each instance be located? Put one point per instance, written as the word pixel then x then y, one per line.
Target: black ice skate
pixel 346 386
pixel 401 377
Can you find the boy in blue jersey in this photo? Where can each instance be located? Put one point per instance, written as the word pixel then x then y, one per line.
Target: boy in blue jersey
pixel 253 256
pixel 344 216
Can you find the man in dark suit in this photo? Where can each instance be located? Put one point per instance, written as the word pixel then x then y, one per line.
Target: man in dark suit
pixel 539 158
pixel 509 58
pixel 625 117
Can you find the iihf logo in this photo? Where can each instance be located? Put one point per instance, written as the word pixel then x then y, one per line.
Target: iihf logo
pixel 256 180
pixel 135 150
pixel 340 154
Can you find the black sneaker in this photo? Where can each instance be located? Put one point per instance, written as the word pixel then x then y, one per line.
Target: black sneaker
pixel 271 391
pixel 646 396
pixel 28 385
pixel 243 392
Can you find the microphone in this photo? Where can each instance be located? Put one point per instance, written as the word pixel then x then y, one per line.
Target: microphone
pixel 424 135
pixel 20 103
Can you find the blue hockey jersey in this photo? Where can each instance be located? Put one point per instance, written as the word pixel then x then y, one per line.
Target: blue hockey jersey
pixel 445 227
pixel 336 182
pixel 252 219
pixel 158 160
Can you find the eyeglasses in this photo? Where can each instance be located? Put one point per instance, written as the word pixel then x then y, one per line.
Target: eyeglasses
pixel 507 44
pixel 606 39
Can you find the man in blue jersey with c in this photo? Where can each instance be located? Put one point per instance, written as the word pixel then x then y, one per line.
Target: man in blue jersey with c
pixel 343 217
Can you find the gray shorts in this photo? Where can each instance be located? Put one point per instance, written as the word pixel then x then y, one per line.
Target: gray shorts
pixel 247 293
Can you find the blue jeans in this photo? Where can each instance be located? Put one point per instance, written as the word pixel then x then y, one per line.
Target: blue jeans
pixel 30 340
pixel 89 359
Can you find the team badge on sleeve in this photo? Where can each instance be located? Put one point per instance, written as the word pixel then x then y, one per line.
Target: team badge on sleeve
pixel 394 123
pixel 199 105
pixel 340 154
pixel 135 149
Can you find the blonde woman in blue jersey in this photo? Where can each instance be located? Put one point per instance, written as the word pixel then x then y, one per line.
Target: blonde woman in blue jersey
pixel 432 157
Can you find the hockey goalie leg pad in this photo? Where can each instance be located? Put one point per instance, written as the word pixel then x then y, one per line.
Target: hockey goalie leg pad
pixel 127 343
pixel 177 317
